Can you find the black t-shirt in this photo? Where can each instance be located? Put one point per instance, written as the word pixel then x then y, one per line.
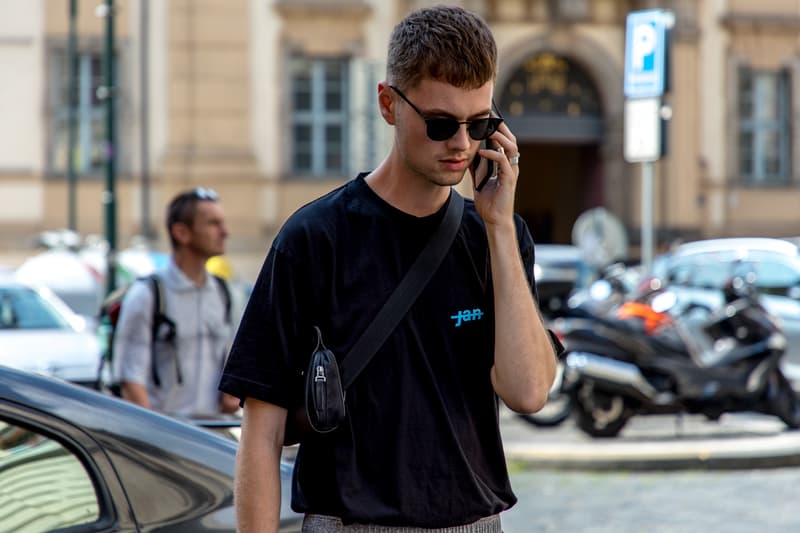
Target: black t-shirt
pixel 421 443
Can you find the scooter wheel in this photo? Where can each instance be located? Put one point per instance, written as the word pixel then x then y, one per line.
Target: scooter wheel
pixel 600 414
pixel 558 406
pixel 785 403
pixel 555 411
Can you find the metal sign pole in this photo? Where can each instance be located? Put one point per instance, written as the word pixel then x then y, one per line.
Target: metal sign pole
pixel 72 104
pixel 647 215
pixel 109 195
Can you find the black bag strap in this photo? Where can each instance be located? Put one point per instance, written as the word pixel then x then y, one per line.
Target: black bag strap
pixel 226 296
pixel 160 317
pixel 400 301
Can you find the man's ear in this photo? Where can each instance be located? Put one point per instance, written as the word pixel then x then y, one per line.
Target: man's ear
pixel 386 102
pixel 181 232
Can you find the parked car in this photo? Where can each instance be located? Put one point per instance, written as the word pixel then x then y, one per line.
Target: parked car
pixel 40 333
pixel 697 271
pixel 74 458
pixel 68 276
pixel 78 274
pixel 559 269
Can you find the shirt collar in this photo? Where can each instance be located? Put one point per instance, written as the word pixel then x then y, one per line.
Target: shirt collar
pixel 179 281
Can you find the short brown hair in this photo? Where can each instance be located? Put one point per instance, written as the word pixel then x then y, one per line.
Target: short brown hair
pixel 442 43
pixel 183 207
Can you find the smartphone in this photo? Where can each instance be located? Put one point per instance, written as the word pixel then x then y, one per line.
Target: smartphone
pixel 483 169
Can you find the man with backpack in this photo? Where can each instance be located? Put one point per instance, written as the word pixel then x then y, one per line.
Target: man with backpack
pixel 174 328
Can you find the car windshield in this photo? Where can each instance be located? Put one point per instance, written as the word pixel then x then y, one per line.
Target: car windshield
pixel 24 308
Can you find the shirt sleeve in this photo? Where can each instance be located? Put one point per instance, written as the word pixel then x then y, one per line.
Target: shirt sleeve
pixel 263 363
pixel 133 336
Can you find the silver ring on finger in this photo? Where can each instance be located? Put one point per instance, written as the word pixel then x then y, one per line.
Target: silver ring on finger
pixel 514 159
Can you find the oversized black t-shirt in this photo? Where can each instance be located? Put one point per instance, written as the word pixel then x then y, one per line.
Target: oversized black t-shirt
pixel 421 443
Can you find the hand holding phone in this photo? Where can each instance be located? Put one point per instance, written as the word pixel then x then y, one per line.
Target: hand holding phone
pixel 483 169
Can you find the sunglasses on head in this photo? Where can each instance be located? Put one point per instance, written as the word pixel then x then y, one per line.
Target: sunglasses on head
pixel 441 129
pixel 203 193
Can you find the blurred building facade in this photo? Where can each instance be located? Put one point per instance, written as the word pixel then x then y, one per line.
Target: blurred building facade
pixel 272 103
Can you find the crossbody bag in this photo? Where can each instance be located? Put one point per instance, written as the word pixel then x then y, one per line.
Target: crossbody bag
pixel 326 380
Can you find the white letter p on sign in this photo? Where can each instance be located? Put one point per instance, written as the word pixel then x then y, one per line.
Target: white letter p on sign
pixel 644 44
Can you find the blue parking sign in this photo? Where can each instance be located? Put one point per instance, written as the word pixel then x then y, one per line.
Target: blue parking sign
pixel 646 52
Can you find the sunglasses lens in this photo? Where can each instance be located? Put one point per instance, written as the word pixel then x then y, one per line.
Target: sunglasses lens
pixel 479 129
pixel 441 129
pixel 483 128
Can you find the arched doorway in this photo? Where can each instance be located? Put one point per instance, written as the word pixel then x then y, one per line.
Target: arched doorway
pixel 553 108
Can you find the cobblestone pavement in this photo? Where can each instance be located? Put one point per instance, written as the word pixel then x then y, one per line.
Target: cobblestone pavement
pixel 664 442
pixel 735 501
pixel 617 500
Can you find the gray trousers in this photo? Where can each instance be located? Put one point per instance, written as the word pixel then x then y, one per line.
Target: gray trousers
pixel 314 523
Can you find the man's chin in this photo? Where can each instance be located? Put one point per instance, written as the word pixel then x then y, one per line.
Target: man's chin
pixel 449 179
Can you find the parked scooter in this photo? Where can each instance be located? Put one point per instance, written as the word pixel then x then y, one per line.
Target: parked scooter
pixel 599 299
pixel 728 362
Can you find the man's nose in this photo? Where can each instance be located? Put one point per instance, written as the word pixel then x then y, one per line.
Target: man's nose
pixel 461 139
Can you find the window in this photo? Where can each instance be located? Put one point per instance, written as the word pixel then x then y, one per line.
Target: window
pixel 90 125
pixel 319 94
pixel 23 308
pixel 774 273
pixel 43 486
pixel 764 126
pixel 776 277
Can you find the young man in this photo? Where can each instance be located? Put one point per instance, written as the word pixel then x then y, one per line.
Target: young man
pixel 420 447
pixel 178 374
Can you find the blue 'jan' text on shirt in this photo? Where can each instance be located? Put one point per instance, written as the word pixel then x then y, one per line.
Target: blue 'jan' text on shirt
pixel 467 316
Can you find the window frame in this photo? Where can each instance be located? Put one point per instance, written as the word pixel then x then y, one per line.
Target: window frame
pixel 761 127
pixel 88 116
pixel 318 117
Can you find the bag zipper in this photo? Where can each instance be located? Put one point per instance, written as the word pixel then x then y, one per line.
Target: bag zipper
pixel 320 381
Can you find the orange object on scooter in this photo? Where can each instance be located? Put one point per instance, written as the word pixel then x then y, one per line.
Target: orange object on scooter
pixel 651 318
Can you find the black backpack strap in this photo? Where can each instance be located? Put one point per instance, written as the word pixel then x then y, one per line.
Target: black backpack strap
pixel 159 318
pixel 156 322
pixel 226 295
pixel 406 292
pixel 158 298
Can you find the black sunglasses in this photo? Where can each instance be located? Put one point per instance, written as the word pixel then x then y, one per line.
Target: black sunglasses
pixel 441 129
